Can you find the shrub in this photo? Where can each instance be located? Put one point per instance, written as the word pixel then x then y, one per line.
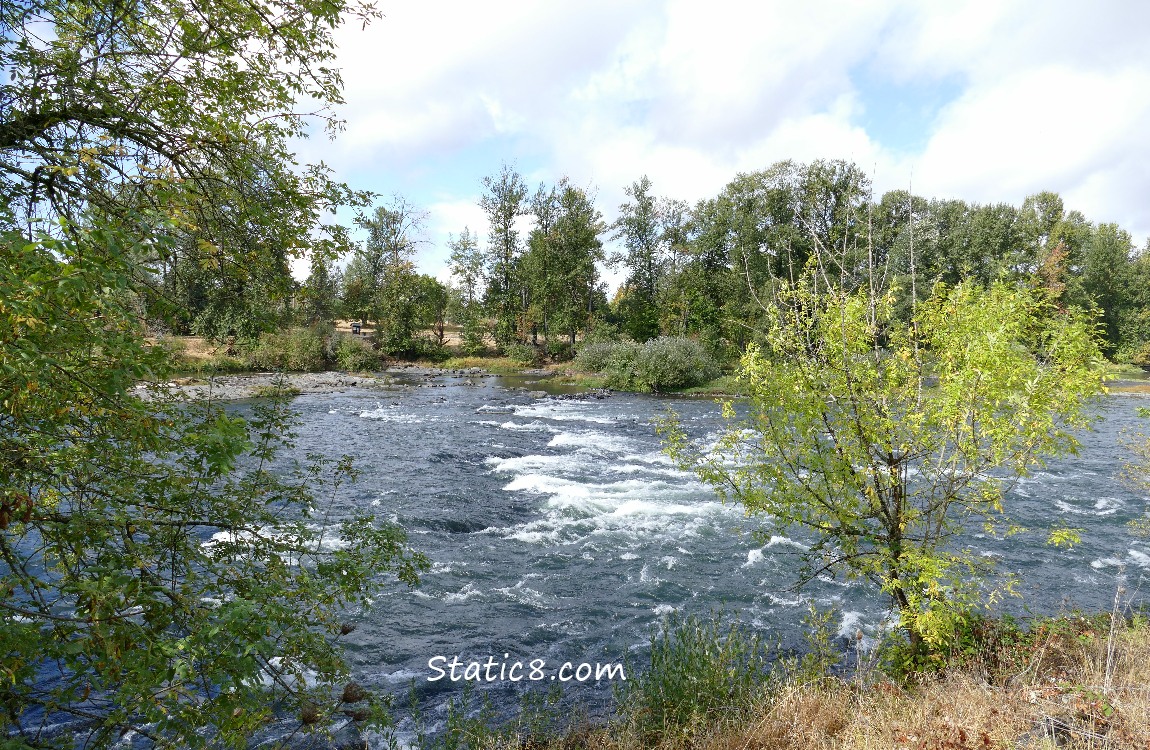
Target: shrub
pixel 673 362
pixel 660 364
pixel 592 357
pixel 295 350
pixel 620 366
pixel 353 354
pixel 702 671
pixel 429 347
pixel 560 351
pixel 472 337
pixel 1141 357
pixel 524 354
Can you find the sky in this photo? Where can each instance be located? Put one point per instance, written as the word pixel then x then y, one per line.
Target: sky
pixel 983 101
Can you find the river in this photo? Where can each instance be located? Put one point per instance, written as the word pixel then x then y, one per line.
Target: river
pixel 558 531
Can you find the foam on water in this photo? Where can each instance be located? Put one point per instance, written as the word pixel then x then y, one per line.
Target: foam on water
pixel 851 623
pixel 522 594
pixel 645 576
pixel 384 414
pixel 1103 506
pixel 561 411
pixel 591 440
pixel 469 591
pixel 555 464
pixel 532 426
pixel 495 409
pixel 777 541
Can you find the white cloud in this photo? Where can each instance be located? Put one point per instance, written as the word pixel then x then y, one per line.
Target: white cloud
pixel 1049 95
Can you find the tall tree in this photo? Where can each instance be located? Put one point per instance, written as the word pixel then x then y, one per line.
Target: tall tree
pixel 1104 282
pixel 382 274
pixel 467 264
pixel 504 201
pixel 319 295
pixel 640 228
pixel 575 250
pixel 159 579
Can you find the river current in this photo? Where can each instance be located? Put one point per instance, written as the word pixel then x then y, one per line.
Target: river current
pixel 558 531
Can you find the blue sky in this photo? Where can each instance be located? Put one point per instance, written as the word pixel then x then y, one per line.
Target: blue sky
pixel 985 101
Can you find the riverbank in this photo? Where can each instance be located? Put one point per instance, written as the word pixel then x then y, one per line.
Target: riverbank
pixel 1067 682
pixel 240 386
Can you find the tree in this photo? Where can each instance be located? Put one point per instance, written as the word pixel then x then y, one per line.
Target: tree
pixel 560 264
pixel 158 577
pixel 319 296
pixel 381 276
pixel 639 226
pixel 467 268
pixel 506 296
pixel 172 116
pixel 431 299
pixel 887 442
pixel 1104 281
pixel 156 570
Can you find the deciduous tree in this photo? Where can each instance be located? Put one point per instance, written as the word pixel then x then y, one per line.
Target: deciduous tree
pixel 887 442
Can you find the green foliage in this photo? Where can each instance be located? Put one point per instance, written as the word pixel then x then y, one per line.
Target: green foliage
pixel 1142 356
pixel 353 354
pixel 822 654
pixel 661 364
pixel 671 362
pixel 559 267
pixel 380 284
pixel 187 123
pixel 524 354
pixel 560 351
pixel 619 369
pixel 159 577
pixel 701 671
pixel 640 227
pixel 293 350
pixel 594 356
pixel 503 201
pixel 888 442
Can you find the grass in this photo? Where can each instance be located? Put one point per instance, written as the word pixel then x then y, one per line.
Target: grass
pixel 1124 369
pixel 1069 682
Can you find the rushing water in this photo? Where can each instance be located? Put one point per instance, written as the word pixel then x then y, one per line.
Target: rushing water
pixel 559 531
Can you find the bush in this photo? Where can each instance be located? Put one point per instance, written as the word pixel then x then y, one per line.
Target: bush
pixel 702 671
pixel 1141 357
pixel 560 350
pixel 293 350
pixel 523 354
pixel 353 354
pixel 673 362
pixel 429 347
pixel 620 367
pixel 660 364
pixel 593 357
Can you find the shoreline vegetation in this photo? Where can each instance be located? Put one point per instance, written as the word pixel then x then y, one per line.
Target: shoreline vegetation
pixel 1073 681
pixel 204 368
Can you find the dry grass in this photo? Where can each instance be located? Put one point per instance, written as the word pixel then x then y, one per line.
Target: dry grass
pixel 1064 696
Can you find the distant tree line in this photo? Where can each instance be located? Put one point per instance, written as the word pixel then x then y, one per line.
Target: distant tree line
pixel 702 271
